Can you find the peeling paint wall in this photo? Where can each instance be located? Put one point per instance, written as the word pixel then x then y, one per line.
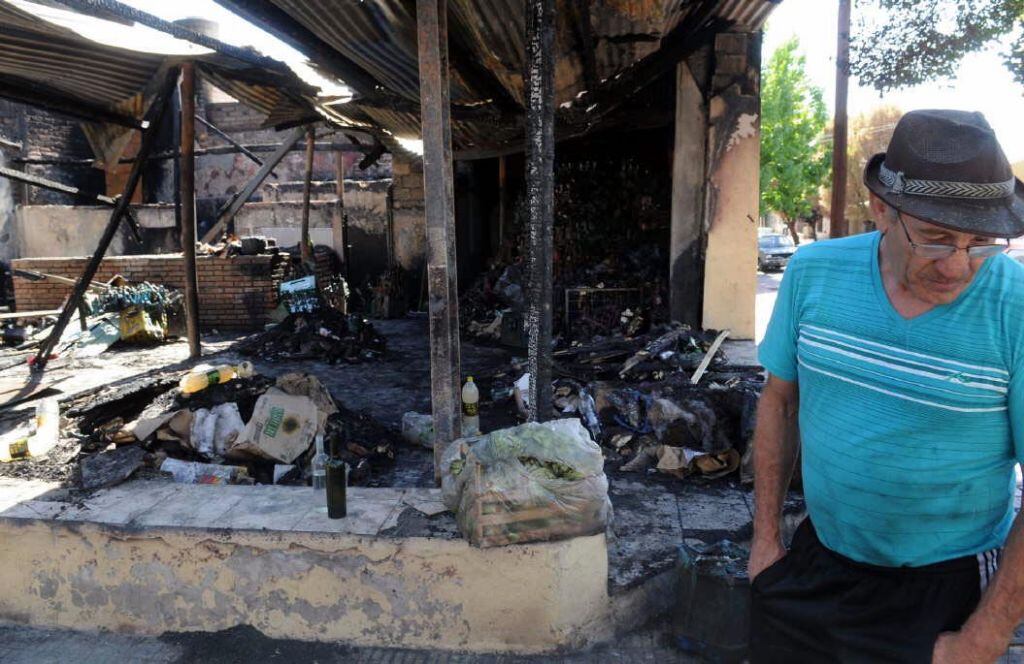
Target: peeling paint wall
pixel 73 230
pixel 414 592
pixel 410 225
pixel 732 189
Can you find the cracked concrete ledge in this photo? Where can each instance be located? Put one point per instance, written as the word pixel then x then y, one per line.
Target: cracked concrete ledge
pixel 153 557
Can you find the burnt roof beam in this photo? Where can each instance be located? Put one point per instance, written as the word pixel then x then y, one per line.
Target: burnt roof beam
pixel 698 27
pixel 27 92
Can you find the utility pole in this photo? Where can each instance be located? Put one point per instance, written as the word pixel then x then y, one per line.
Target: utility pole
pixel 838 210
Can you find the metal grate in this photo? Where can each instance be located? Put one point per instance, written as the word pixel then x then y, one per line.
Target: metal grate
pixel 598 308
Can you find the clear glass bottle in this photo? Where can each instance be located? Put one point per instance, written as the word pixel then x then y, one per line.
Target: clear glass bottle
pixel 319 466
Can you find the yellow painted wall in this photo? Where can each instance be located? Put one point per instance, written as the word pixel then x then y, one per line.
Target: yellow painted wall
pixel 730 281
pixel 412 592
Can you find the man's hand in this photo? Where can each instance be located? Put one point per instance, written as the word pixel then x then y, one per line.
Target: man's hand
pixel 960 648
pixel 764 552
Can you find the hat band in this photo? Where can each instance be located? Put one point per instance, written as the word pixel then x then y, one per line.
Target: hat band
pixel 900 184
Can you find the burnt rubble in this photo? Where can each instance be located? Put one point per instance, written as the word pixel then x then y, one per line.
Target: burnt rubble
pixel 326 335
pixel 130 429
pixel 636 397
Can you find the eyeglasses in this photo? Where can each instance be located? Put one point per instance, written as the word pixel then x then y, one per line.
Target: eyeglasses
pixel 939 251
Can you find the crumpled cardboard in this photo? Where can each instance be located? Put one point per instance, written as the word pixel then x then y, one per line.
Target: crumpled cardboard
pixel 282 427
pixel 308 385
pixel 682 461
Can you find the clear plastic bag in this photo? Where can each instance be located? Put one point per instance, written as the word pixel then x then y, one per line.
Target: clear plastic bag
pixel 534 482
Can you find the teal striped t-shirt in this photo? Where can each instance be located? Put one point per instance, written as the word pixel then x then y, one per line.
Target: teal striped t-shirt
pixel 910 428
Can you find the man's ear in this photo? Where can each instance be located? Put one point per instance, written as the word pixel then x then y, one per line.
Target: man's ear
pixel 880 213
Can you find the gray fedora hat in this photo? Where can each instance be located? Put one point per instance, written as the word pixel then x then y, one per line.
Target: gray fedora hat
pixel 946 167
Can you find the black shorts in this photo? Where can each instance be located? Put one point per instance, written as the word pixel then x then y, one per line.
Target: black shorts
pixel 815 605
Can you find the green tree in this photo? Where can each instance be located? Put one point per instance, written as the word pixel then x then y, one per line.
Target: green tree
pixel 795 160
pixel 869 134
pixel 898 43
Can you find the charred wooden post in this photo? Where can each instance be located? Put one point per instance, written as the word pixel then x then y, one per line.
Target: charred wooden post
pixel 443 307
pixel 43 183
pixel 304 247
pixel 540 30
pixel 502 201
pixel 187 168
pixel 154 115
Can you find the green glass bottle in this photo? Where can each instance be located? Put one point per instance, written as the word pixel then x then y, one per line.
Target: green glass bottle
pixel 337 480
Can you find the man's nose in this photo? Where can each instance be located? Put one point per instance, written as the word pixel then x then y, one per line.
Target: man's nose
pixel 954 267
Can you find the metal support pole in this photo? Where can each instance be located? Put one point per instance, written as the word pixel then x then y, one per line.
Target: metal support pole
pixel 839 226
pixel 153 117
pixel 305 248
pixel 540 22
pixel 187 168
pixel 443 307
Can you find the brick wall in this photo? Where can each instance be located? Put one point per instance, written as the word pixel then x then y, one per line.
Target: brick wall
pixel 45 134
pixel 234 293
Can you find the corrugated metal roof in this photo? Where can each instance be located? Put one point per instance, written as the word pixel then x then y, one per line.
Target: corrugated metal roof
pixel 74 68
pixel 380 38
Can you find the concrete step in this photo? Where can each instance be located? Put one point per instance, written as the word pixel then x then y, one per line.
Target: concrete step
pixel 148 557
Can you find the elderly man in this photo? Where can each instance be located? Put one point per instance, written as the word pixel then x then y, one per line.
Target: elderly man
pixel 896 368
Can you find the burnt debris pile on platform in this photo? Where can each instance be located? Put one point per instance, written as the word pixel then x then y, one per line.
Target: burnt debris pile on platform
pixel 327 335
pixel 638 398
pixel 224 433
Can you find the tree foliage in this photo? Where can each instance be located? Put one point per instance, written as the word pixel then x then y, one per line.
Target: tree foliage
pixel 795 159
pixel 869 133
pixel 898 43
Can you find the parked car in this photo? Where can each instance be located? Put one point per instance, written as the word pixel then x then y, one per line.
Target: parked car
pixel 774 251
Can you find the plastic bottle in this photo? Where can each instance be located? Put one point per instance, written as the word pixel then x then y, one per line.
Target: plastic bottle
pixel 319 467
pixel 470 408
pixel 197 380
pixel 42 436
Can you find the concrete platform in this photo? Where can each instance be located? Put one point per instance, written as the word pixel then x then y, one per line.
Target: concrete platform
pixel 149 557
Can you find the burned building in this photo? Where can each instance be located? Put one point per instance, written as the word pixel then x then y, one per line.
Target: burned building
pixel 570 184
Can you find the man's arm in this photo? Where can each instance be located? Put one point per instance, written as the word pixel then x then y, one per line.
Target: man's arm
pixel 987 633
pixel 776 441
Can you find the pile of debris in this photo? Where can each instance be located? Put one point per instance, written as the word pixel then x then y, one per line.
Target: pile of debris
pixel 326 335
pixel 233 245
pixel 669 401
pixel 242 429
pixel 618 294
pixel 111 312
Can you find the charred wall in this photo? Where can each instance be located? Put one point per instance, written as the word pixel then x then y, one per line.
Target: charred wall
pixel 45 135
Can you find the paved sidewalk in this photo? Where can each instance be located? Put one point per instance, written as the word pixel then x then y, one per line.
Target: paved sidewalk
pixel 25 645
